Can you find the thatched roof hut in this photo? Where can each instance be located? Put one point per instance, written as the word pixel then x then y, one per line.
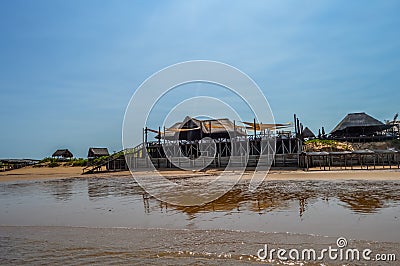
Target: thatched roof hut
pixel 63 153
pixel 358 124
pixel 97 152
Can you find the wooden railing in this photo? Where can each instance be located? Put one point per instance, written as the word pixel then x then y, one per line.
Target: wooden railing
pixel 136 151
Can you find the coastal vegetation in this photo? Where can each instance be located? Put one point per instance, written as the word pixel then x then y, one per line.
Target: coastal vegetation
pixel 55 162
pixel 73 162
pixel 329 145
pixel 98 160
pixel 326 145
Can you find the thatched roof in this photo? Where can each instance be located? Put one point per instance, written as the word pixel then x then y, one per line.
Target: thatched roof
pixel 307 133
pixel 191 128
pixel 65 153
pixel 358 123
pixel 98 152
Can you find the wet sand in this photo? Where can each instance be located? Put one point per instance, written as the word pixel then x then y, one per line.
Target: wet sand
pixel 46 173
pixel 78 245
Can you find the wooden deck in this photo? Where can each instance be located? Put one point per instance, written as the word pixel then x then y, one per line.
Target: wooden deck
pixel 288 154
pixel 11 164
pixel 361 159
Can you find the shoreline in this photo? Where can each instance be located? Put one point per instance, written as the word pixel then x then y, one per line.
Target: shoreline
pixel 205 247
pixel 46 173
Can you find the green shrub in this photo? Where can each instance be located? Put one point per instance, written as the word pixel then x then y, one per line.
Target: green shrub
pixel 49 160
pixel 53 164
pixel 78 162
pixel 98 160
pixel 326 145
pixel 322 141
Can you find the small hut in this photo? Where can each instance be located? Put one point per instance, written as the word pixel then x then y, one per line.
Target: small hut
pixel 94 153
pixel 62 154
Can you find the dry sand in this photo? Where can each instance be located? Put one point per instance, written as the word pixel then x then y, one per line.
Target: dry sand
pixel 44 173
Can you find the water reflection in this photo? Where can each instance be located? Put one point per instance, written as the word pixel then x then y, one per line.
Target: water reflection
pixel 369 197
pixel 61 190
pixel 359 196
pixel 121 187
pixel 362 203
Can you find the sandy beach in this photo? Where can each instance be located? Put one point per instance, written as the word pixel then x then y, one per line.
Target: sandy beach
pixel 47 173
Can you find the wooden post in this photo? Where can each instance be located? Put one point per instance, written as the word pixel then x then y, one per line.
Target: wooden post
pixel 233 146
pixel 234 129
pixel 307 161
pixel 351 161
pixel 374 161
pixel 255 132
pixel 301 129
pixel 159 139
pixel 142 135
pixel 145 136
pixel 298 127
pixel 345 164
pixel 319 161
pixel 329 161
pixel 378 157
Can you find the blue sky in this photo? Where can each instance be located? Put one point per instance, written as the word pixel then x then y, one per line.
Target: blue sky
pixel 69 68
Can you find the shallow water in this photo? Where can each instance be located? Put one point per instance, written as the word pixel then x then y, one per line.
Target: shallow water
pixel 358 210
pixel 83 246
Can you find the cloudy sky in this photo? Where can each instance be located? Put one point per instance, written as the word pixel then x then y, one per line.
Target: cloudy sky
pixel 69 68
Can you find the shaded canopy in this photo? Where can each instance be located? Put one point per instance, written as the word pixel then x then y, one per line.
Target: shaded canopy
pixel 356 124
pixel 263 126
pixel 195 129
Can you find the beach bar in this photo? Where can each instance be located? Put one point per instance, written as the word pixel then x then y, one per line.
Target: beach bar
pixel 218 142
